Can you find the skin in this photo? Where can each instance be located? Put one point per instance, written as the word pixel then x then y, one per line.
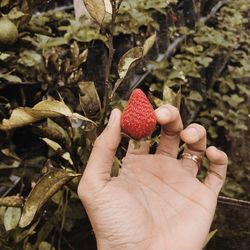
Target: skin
pixel 156 202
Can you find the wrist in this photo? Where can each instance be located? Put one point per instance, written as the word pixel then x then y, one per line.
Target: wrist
pixel 122 245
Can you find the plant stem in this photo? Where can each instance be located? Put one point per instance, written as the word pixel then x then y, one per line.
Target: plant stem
pixel 111 51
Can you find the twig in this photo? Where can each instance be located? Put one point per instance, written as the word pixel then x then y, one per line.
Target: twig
pixel 233 202
pixel 214 10
pixel 172 48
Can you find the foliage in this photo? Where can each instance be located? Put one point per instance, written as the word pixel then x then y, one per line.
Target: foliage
pixel 61 78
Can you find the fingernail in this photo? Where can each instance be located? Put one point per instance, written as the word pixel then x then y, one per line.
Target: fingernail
pixel 191 132
pixel 163 112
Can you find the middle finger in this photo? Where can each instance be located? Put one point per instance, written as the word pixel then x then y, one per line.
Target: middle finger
pixel 169 118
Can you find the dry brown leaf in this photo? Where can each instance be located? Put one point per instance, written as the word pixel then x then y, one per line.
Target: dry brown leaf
pixel 96 9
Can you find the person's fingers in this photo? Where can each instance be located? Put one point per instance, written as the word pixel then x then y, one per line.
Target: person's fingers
pixel 101 159
pixel 138 148
pixel 195 138
pixel 169 118
pixel 217 170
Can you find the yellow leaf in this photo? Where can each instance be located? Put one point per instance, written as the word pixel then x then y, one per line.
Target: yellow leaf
pixel 149 44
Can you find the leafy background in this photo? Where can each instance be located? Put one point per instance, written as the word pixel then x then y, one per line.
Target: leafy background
pixel 61 78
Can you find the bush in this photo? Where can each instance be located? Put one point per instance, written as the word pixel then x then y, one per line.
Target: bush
pixel 62 77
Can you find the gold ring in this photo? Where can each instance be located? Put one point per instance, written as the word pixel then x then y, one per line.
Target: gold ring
pixel 195 158
pixel 215 174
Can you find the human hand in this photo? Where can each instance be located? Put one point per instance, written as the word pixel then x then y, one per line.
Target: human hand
pixel 156 202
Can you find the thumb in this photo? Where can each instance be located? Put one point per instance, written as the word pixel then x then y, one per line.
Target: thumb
pixel 101 159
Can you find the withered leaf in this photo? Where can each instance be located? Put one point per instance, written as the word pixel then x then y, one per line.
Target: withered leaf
pixel 96 9
pixel 10 78
pixel 56 147
pixel 89 99
pixel 108 6
pixel 169 95
pixel 46 109
pixel 47 186
pixel 129 60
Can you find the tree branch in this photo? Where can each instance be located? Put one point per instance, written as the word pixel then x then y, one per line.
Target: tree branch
pixel 233 202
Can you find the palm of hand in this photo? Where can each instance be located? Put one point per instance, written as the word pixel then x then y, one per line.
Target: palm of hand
pixel 156 202
pixel 160 199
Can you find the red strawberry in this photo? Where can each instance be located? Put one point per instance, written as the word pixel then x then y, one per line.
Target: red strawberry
pixel 138 118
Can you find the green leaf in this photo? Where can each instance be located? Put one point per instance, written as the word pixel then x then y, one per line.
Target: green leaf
pixel 45 246
pixel 241 127
pixel 16 14
pixel 233 100
pixel 11 217
pixel 210 236
pixel 3 3
pixel 149 44
pixel 57 41
pixel 31 58
pixel 116 167
pixel 45 188
pixel 156 101
pixel 169 95
pixel 204 61
pixel 4 56
pixel 195 96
